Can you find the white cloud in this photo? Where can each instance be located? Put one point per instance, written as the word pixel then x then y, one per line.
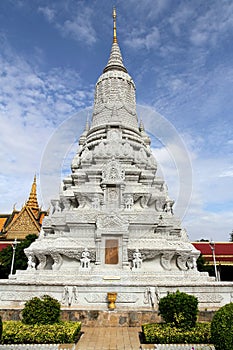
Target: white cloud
pixel 148 40
pixel 32 104
pixel 48 12
pixel 80 29
pixel 209 225
pixel 213 24
pixel 179 18
pixel 146 8
pixel 75 23
pixel 227 173
pixel 209 213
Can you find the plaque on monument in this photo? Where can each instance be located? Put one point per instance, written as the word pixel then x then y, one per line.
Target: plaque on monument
pixel 111 251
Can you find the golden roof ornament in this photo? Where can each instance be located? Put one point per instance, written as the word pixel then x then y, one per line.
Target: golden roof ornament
pixel 115 61
pixel 32 200
pixel 114 25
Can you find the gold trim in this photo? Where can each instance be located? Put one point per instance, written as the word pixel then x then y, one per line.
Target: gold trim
pixel 114 25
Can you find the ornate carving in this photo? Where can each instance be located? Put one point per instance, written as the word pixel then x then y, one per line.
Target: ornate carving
pixel 150 254
pixel 192 263
pixel 127 149
pixel 126 298
pixel 98 298
pixel 209 297
pixel 112 172
pixel 114 135
pixel 69 295
pixel 137 259
pixel 66 203
pixel 96 202
pixel 25 222
pixel 56 206
pixel 18 296
pixel 85 259
pixel 112 222
pixel 57 260
pixel 31 263
pixel 166 260
pixel 168 206
pixel 144 200
pixel 141 156
pixel 128 201
pixel 181 261
pixel 77 254
pixel 86 155
pixel 75 163
pixel 42 260
pixel 152 296
pixel 146 254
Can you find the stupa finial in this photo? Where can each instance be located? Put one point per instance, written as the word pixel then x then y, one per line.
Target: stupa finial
pixel 114 25
pixel 115 61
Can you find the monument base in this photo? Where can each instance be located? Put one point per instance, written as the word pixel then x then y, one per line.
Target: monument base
pixel 136 291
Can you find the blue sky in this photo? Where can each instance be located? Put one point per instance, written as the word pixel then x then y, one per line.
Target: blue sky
pixel 180 56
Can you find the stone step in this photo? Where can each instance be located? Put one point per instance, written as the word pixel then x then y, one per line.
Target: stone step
pixel 176 347
pixel 37 347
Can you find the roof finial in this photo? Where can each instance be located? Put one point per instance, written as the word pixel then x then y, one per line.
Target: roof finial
pixel 32 200
pixel 114 25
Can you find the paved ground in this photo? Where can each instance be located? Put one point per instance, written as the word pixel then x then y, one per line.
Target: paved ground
pixel 109 338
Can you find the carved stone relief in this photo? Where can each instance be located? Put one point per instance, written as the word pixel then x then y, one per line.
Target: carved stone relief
pixel 166 260
pixel 112 172
pixel 69 295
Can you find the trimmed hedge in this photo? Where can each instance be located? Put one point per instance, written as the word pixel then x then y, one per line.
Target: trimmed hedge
pixel 179 309
pixel 45 310
pixel 161 333
pixel 16 332
pixel 222 328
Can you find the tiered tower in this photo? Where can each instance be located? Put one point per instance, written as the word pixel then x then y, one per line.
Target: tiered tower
pixel 113 205
pixel 113 227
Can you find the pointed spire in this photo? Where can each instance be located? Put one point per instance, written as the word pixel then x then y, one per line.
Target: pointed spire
pixel 115 61
pixel 32 200
pixel 141 125
pixel 114 25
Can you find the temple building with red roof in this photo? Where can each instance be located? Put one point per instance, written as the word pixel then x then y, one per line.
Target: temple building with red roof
pixel 222 253
pixel 21 223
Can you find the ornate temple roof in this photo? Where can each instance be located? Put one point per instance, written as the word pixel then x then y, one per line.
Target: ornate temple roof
pixel 21 223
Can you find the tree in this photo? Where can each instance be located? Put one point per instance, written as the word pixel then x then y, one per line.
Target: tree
pixel 203 265
pixel 231 236
pixel 20 258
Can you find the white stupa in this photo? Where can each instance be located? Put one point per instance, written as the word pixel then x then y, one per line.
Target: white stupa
pixel 113 226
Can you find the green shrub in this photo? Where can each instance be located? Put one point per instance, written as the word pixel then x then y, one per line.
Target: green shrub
pixel 41 311
pixel 222 328
pixel 162 333
pixel 15 332
pixel 179 309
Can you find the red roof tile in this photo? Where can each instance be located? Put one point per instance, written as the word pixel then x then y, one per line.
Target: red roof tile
pixel 223 251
